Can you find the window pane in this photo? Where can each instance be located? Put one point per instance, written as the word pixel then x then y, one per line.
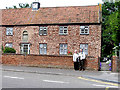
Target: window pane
pixel 61 51
pixel 84 29
pixel 45 45
pixel 43 48
pixel 9 31
pixel 63 48
pixel 65 45
pixel 9 45
pixel 43 31
pixel 65 51
pixel 25 48
pixel 63 30
pixel 45 51
pixel 41 45
pixel 85 48
pixel 61 45
pixel 40 50
pixel 86 26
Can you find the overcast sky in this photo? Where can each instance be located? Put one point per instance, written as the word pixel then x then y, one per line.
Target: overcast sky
pixel 50 3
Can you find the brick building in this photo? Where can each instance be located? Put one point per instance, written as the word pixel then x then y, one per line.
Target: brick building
pixel 52 30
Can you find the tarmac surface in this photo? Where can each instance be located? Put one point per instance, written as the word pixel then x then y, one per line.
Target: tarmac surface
pixel 66 75
pixel 101 75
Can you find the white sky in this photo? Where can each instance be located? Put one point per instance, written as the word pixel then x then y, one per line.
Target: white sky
pixel 50 3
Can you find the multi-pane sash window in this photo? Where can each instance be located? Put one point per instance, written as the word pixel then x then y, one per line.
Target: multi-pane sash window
pixel 84 29
pixel 9 45
pixel 9 31
pixel 63 49
pixel 84 47
pixel 63 30
pixel 43 48
pixel 43 31
pixel 25 48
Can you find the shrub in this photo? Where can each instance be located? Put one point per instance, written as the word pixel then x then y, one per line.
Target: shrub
pixel 9 50
pixel 2 48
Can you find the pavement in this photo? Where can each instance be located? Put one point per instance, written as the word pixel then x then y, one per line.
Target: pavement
pixel 106 76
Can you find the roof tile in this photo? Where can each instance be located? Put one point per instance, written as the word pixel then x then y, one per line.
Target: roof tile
pixel 52 15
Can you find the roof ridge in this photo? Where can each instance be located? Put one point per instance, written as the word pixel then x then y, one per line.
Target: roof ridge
pixel 53 7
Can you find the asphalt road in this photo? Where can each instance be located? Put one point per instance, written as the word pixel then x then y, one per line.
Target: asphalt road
pixel 12 79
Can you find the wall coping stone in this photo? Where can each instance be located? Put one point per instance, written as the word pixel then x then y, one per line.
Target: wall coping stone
pixel 43 55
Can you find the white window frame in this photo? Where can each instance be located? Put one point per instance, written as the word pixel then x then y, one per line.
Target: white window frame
pixel 25 33
pixel 10 45
pixel 42 29
pixel 43 48
pixel 63 30
pixel 9 31
pixel 63 49
pixel 84 47
pixel 22 49
pixel 84 30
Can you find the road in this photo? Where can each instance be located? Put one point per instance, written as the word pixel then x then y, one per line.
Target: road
pixel 11 79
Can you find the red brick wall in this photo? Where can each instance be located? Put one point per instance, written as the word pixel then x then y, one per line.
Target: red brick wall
pixel 118 64
pixel 114 63
pixel 46 61
pixel 53 39
pixel 0 42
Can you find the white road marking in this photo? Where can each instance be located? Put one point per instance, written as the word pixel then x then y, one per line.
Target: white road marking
pixel 12 70
pixel 54 73
pixel 114 73
pixel 54 81
pixel 105 86
pixel 13 77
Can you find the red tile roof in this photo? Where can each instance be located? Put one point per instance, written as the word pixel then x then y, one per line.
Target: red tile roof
pixel 52 15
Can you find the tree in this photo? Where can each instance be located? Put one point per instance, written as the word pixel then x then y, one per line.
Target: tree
pixel 21 5
pixel 110 27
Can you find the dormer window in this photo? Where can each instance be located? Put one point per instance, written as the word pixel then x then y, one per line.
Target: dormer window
pixel 35 5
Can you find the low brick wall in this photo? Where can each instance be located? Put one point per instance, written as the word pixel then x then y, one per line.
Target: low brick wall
pixel 115 64
pixel 46 61
pixel 118 64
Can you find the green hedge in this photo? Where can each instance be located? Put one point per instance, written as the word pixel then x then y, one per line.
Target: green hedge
pixel 9 50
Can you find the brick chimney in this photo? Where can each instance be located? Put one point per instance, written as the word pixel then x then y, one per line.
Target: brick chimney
pixel 35 5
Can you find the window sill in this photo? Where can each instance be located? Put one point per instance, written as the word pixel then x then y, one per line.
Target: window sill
pixel 63 34
pixel 62 54
pixel 9 35
pixel 43 35
pixel 84 34
pixel 42 54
